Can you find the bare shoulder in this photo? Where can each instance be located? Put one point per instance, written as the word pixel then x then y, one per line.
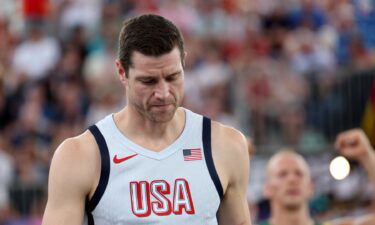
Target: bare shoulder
pixel 228 141
pixel 77 160
pixel 73 175
pixel 230 154
pixel 76 149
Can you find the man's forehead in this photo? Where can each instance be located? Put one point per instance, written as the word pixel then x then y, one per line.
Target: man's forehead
pixel 156 65
pixel 154 72
pixel 140 60
pixel 284 160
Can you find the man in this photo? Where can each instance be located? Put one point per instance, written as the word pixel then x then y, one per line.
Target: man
pixel 153 162
pixel 289 186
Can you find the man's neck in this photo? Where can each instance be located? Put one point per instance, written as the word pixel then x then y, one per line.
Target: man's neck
pixel 284 216
pixel 143 131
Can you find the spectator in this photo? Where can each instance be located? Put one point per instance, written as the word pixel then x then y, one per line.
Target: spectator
pixel 36 56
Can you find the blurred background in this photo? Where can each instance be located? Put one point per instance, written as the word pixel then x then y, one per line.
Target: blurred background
pixel 287 73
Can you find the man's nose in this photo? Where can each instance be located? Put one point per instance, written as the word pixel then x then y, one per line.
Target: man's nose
pixel 162 90
pixel 293 178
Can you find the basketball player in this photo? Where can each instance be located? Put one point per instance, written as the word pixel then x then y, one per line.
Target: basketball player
pixel 153 162
pixel 289 186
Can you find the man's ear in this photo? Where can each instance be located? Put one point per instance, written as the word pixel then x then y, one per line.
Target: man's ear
pixel 267 190
pixel 183 59
pixel 311 189
pixel 121 71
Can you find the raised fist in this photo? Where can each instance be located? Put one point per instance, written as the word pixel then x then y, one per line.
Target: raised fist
pixel 354 144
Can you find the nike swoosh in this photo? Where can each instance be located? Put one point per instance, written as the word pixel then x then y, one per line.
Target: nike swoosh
pixel 117 160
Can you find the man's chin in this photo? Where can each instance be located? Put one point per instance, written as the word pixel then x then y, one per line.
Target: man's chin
pixel 162 117
pixel 293 205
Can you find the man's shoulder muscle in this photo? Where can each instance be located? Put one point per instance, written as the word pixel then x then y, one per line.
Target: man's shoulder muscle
pixel 231 158
pixel 73 173
pixel 77 159
pixel 230 152
pixel 228 140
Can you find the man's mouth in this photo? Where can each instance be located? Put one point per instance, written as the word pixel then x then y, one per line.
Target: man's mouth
pixel 293 192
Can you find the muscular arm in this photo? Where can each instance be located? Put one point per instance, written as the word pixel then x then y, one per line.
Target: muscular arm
pixel 70 180
pixel 231 157
pixel 354 145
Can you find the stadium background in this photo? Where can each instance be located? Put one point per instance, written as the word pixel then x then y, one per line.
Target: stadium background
pixel 287 73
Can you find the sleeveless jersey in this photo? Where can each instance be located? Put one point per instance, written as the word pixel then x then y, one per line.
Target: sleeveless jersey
pixel 178 185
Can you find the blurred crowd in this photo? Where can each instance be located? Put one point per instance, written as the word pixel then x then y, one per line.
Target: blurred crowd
pixel 286 73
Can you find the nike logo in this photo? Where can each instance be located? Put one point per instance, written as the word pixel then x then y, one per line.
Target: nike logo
pixel 117 160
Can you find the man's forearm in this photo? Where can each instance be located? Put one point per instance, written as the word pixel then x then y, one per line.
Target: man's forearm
pixel 369 165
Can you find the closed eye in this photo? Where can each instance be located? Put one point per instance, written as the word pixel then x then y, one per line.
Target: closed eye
pixel 282 174
pixel 173 76
pixel 148 81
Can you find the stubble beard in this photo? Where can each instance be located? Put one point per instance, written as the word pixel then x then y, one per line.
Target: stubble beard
pixel 156 116
pixel 162 116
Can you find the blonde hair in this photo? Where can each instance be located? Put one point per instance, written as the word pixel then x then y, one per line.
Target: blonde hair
pixel 286 151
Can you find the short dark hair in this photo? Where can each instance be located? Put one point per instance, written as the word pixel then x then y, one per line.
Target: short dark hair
pixel 149 34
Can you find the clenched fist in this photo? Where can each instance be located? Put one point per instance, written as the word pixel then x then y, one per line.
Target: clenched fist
pixel 354 144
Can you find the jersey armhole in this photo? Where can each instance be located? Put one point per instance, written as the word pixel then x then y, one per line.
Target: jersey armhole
pixel 104 173
pixel 206 138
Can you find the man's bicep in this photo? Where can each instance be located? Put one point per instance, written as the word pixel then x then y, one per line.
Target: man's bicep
pixel 234 208
pixel 67 188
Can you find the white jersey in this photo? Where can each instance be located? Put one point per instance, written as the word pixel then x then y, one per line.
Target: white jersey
pixel 178 185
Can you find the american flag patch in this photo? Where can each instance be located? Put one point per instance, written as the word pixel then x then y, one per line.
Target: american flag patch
pixel 192 154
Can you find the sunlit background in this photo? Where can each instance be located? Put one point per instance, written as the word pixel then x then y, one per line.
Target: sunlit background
pixel 287 73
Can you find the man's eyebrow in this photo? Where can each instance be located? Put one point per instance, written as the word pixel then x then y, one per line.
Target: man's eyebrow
pixel 144 77
pixel 174 73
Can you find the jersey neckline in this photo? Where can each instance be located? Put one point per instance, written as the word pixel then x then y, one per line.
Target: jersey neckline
pixel 164 153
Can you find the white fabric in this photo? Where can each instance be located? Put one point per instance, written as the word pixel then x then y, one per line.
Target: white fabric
pixel 167 165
